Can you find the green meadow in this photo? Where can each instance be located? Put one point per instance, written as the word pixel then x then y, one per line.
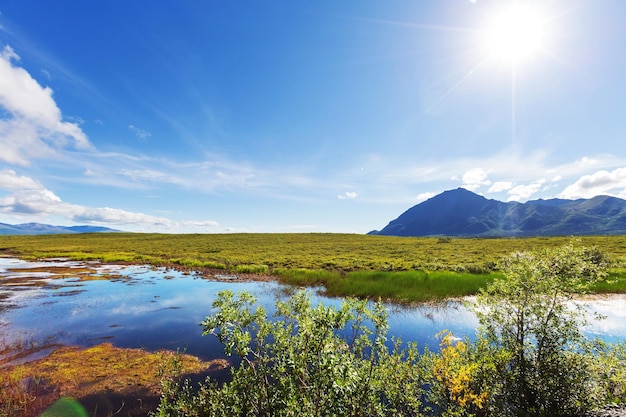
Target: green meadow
pixel 402 269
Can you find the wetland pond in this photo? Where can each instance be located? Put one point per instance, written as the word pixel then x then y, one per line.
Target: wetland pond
pixel 88 303
pixel 85 304
pixel 49 308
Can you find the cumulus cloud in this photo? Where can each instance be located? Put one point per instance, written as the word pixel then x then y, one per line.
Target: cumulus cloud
pixel 524 192
pixel 28 197
pixel 349 195
pixel 424 196
pixel 500 186
pixel 598 183
pixel 9 180
pixel 113 216
pixel 586 161
pixel 140 133
pixel 32 126
pixel 474 178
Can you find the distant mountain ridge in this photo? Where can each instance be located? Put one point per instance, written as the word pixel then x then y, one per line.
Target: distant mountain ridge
pixel 463 213
pixel 47 229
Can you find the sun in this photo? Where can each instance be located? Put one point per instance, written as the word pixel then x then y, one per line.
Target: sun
pixel 516 33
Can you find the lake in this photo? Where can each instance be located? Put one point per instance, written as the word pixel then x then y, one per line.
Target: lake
pixel 78 303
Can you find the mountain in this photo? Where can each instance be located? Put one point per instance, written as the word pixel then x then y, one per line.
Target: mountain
pixel 90 229
pixel 463 213
pixel 46 229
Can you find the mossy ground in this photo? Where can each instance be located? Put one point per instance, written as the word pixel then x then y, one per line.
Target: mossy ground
pixel 105 379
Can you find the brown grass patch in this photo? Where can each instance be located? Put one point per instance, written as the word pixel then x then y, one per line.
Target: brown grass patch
pixel 105 379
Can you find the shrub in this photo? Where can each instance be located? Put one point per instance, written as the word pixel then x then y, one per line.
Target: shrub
pixel 527 318
pixel 309 361
pixel 457 388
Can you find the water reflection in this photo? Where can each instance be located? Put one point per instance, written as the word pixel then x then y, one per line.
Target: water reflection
pixel 142 307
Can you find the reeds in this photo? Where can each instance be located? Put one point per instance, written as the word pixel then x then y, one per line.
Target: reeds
pixel 402 286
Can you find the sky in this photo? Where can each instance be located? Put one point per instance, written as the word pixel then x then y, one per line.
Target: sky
pixel 206 116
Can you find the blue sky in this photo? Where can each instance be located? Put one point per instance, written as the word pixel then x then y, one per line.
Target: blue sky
pixel 293 116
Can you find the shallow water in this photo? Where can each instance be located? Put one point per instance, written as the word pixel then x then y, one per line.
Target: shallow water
pixel 143 307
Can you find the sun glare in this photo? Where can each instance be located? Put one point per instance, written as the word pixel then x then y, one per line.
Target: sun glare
pixel 515 33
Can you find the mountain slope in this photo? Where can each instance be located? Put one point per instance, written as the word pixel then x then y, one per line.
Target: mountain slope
pixel 463 213
pixel 46 229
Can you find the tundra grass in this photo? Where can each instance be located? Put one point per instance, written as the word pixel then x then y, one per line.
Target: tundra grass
pixel 614 284
pixel 341 252
pixel 346 264
pixel 403 286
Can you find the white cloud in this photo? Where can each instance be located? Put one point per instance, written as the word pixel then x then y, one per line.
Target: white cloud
pixel 474 178
pixel 598 183
pixel 31 202
pixel 509 163
pixel 206 176
pixel 524 192
pixel 142 134
pixel 207 223
pixel 424 196
pixel 586 161
pixel 20 142
pixel 33 126
pixel 28 197
pixel 500 186
pixel 348 195
pixel 387 178
pixel 149 175
pixel 9 180
pixel 113 216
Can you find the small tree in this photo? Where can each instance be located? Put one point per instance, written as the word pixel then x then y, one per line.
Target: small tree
pixel 545 367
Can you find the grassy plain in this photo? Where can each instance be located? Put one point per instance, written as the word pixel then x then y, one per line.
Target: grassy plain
pixel 399 269
pixel 404 269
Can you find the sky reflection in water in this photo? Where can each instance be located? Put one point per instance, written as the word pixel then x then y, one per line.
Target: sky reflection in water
pixel 141 307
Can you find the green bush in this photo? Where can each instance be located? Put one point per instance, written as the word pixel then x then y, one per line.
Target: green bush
pixel 547 368
pixel 307 361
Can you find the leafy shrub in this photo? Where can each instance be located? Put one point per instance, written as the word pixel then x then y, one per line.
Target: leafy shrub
pixel 548 370
pixel 309 361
